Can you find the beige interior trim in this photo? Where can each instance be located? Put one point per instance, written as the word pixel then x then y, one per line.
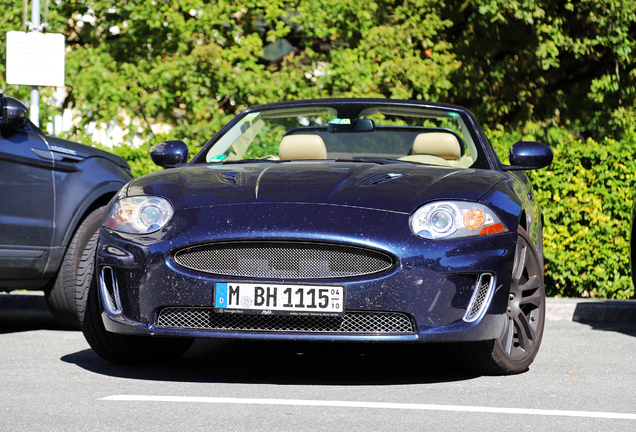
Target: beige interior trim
pixel 295 147
pixel 442 144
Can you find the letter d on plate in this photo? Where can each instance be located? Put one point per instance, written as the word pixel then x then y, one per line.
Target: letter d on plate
pixel 221 295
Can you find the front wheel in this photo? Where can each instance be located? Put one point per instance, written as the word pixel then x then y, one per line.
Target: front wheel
pixel 518 345
pixel 119 348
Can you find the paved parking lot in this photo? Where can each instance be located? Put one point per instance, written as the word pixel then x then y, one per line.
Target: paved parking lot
pixel 583 379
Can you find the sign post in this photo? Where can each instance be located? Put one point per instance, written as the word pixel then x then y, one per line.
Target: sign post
pixel 35 59
pixel 34 111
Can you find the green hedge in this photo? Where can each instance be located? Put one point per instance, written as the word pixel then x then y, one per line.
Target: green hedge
pixel 586 195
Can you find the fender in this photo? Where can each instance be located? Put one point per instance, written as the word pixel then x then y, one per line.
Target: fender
pixel 57 252
pixel 508 207
pixel 110 188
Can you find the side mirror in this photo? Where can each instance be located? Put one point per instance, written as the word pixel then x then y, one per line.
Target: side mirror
pixel 528 155
pixel 169 154
pixel 14 113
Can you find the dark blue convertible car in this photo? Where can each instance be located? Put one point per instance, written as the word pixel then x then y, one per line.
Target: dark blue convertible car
pixel 368 220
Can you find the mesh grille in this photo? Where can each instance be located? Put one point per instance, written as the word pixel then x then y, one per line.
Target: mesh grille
pixel 271 260
pixel 480 298
pixel 352 322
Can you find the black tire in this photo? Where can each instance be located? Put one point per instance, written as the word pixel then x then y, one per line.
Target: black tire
pixel 516 348
pixel 76 269
pixel 125 349
pixel 84 276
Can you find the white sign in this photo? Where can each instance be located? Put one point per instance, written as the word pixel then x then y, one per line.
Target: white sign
pixel 35 59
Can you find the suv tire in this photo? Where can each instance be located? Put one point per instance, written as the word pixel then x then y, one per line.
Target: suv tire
pixel 76 271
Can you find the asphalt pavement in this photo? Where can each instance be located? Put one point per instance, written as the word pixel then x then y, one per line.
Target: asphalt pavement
pixel 584 379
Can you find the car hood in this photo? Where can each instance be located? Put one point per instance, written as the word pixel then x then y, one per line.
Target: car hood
pixel 394 187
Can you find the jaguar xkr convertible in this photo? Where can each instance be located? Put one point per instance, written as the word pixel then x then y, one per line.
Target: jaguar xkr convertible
pixel 366 220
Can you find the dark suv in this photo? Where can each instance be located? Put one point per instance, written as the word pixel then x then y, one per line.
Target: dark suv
pixel 52 197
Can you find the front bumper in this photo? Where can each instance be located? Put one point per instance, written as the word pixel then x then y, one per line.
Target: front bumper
pixel 432 283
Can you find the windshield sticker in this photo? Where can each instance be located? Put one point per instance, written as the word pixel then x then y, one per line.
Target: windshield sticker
pixel 340 121
pixel 217 158
pixel 453 114
pixel 250 117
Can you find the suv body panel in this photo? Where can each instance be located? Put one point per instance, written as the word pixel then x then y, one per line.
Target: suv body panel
pixel 47 186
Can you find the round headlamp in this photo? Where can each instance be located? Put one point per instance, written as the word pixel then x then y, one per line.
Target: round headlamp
pixel 442 220
pixel 139 215
pixel 453 219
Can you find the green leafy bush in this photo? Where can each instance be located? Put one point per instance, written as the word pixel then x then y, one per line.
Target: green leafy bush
pixel 586 196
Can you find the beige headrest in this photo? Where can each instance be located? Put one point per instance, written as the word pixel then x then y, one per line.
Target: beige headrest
pixel 442 144
pixel 302 147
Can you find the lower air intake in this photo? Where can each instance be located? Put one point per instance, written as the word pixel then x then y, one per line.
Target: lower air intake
pixel 110 290
pixel 353 322
pixel 481 297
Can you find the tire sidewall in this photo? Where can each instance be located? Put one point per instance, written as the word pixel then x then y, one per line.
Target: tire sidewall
pixel 498 350
pixel 86 259
pixel 62 296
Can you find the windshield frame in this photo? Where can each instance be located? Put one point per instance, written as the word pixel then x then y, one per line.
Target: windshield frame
pixel 353 108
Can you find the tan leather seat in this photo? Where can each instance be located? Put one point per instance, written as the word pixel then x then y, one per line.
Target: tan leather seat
pixel 444 145
pixel 293 147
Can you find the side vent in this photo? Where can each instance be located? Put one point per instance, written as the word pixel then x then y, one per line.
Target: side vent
pixel 377 179
pixel 110 290
pixel 232 178
pixel 481 297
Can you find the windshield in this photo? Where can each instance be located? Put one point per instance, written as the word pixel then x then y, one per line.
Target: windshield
pixel 389 133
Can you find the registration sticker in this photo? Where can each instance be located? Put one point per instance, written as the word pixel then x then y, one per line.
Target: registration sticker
pixel 279 299
pixel 217 158
pixel 250 117
pixel 340 121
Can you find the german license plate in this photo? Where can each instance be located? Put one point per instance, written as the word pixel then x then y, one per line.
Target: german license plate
pixel 278 299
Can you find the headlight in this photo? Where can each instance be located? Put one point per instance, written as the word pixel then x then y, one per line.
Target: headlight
pixel 139 215
pixel 453 219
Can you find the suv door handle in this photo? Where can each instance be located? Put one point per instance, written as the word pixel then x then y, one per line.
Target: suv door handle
pixel 46 154
pixel 52 155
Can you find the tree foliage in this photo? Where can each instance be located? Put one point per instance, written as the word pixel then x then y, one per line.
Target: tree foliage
pixel 191 64
pixel 561 62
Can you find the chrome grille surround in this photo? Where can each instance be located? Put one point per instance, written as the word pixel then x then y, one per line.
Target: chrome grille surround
pixel 354 322
pixel 109 286
pixel 481 297
pixel 283 260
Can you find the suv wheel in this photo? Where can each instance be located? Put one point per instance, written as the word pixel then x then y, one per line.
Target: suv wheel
pixel 76 271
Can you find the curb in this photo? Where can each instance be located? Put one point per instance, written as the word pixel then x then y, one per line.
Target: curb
pixel 590 310
pixel 557 309
pixel 24 303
